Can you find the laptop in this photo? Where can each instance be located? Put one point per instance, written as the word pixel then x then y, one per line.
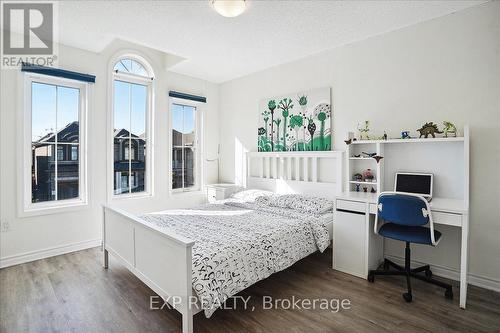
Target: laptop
pixel 417 183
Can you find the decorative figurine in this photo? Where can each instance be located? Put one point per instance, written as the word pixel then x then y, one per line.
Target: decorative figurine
pixel 363 131
pixel 385 136
pixel 348 142
pixel 357 177
pixel 368 154
pixel 365 189
pixel 429 129
pixel 357 187
pixel 373 190
pixel 357 155
pixel 368 175
pixel 405 135
pixel 449 128
pixel 377 158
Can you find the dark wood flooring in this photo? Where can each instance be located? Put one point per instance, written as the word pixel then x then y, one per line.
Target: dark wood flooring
pixel 73 293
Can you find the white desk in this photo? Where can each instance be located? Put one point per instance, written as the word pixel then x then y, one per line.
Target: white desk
pixel 362 250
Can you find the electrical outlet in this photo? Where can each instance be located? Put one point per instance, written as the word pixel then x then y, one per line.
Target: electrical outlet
pixel 4 226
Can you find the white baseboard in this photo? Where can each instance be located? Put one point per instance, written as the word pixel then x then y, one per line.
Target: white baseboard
pixel 46 253
pixel 453 274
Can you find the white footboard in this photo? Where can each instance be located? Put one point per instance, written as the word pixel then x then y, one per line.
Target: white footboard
pixel 159 259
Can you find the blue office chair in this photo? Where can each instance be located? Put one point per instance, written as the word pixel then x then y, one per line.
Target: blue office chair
pixel 404 217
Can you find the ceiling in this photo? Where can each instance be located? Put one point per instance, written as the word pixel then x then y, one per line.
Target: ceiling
pixel 220 49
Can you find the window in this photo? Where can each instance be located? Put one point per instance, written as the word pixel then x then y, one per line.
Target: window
pixel 131 113
pixel 60 153
pixel 54 119
pixel 74 153
pixel 184 147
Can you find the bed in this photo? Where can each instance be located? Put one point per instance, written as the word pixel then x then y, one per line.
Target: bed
pixel 196 258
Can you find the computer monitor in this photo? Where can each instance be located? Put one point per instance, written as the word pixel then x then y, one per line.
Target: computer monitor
pixel 418 183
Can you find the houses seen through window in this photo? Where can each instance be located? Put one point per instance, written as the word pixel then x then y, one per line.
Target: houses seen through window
pixel 130 135
pixel 55 132
pixel 183 146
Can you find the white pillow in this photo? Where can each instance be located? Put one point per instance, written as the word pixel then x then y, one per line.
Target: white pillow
pixel 250 195
pixel 302 203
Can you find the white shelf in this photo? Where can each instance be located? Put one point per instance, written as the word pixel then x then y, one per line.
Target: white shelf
pixel 362 158
pixel 414 140
pixel 362 182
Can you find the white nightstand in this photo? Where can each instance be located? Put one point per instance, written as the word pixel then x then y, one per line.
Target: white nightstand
pixel 220 191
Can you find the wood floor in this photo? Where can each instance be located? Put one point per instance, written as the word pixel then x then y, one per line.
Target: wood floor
pixel 73 293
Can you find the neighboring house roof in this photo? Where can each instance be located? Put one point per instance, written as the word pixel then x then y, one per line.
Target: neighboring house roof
pixel 68 134
pixel 123 134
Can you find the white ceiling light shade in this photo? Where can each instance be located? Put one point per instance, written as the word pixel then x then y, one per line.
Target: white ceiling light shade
pixel 229 8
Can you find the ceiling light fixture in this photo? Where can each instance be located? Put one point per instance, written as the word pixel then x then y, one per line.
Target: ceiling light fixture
pixel 229 8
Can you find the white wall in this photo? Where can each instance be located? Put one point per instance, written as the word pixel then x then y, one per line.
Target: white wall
pixel 444 69
pixel 83 227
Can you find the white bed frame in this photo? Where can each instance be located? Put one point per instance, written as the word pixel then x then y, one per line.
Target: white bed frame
pixel 162 260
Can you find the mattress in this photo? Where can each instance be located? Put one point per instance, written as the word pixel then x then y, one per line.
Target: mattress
pixel 240 243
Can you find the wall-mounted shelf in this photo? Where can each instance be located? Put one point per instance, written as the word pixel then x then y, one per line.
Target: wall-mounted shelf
pixel 362 158
pixel 414 140
pixel 354 166
pixel 441 149
pixel 362 182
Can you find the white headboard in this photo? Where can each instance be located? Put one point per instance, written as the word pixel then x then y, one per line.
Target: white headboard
pixel 317 173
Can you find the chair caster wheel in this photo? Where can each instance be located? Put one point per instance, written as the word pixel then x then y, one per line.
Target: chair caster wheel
pixel 371 277
pixel 407 297
pixel 448 294
pixel 428 273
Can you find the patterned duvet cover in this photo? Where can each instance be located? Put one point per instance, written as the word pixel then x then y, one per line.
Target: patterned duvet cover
pixel 238 244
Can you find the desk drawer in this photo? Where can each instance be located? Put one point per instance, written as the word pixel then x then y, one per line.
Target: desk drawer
pixel 351 206
pixel 447 218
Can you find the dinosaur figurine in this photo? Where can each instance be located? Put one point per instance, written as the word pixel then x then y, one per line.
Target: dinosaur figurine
pixel 429 128
pixel 449 128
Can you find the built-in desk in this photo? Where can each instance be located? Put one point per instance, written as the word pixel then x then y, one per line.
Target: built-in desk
pixel 357 249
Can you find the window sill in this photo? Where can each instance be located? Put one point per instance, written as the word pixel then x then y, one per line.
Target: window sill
pixel 187 192
pixel 119 197
pixel 41 209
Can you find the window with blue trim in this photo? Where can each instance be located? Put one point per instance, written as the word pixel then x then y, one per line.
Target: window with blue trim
pixel 54 134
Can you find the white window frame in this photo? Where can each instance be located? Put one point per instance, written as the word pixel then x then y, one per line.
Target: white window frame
pixel 27 207
pixel 149 83
pixel 199 179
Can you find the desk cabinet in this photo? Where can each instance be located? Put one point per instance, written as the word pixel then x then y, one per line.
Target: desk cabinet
pixel 349 242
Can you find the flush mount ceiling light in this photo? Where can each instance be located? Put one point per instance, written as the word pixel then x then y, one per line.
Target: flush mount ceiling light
pixel 229 8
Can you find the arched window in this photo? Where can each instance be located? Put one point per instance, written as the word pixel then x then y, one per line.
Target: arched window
pixel 132 105
pixel 130 66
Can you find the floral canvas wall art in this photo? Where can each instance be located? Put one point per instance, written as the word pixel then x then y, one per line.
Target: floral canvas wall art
pixel 296 122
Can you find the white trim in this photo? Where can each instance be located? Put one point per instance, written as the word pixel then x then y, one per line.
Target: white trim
pixel 25 206
pixel 48 252
pixel 454 274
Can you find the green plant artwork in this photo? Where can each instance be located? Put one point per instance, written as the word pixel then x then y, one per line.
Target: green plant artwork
pixel 303 122
pixel 285 106
pixel 296 123
pixel 271 105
